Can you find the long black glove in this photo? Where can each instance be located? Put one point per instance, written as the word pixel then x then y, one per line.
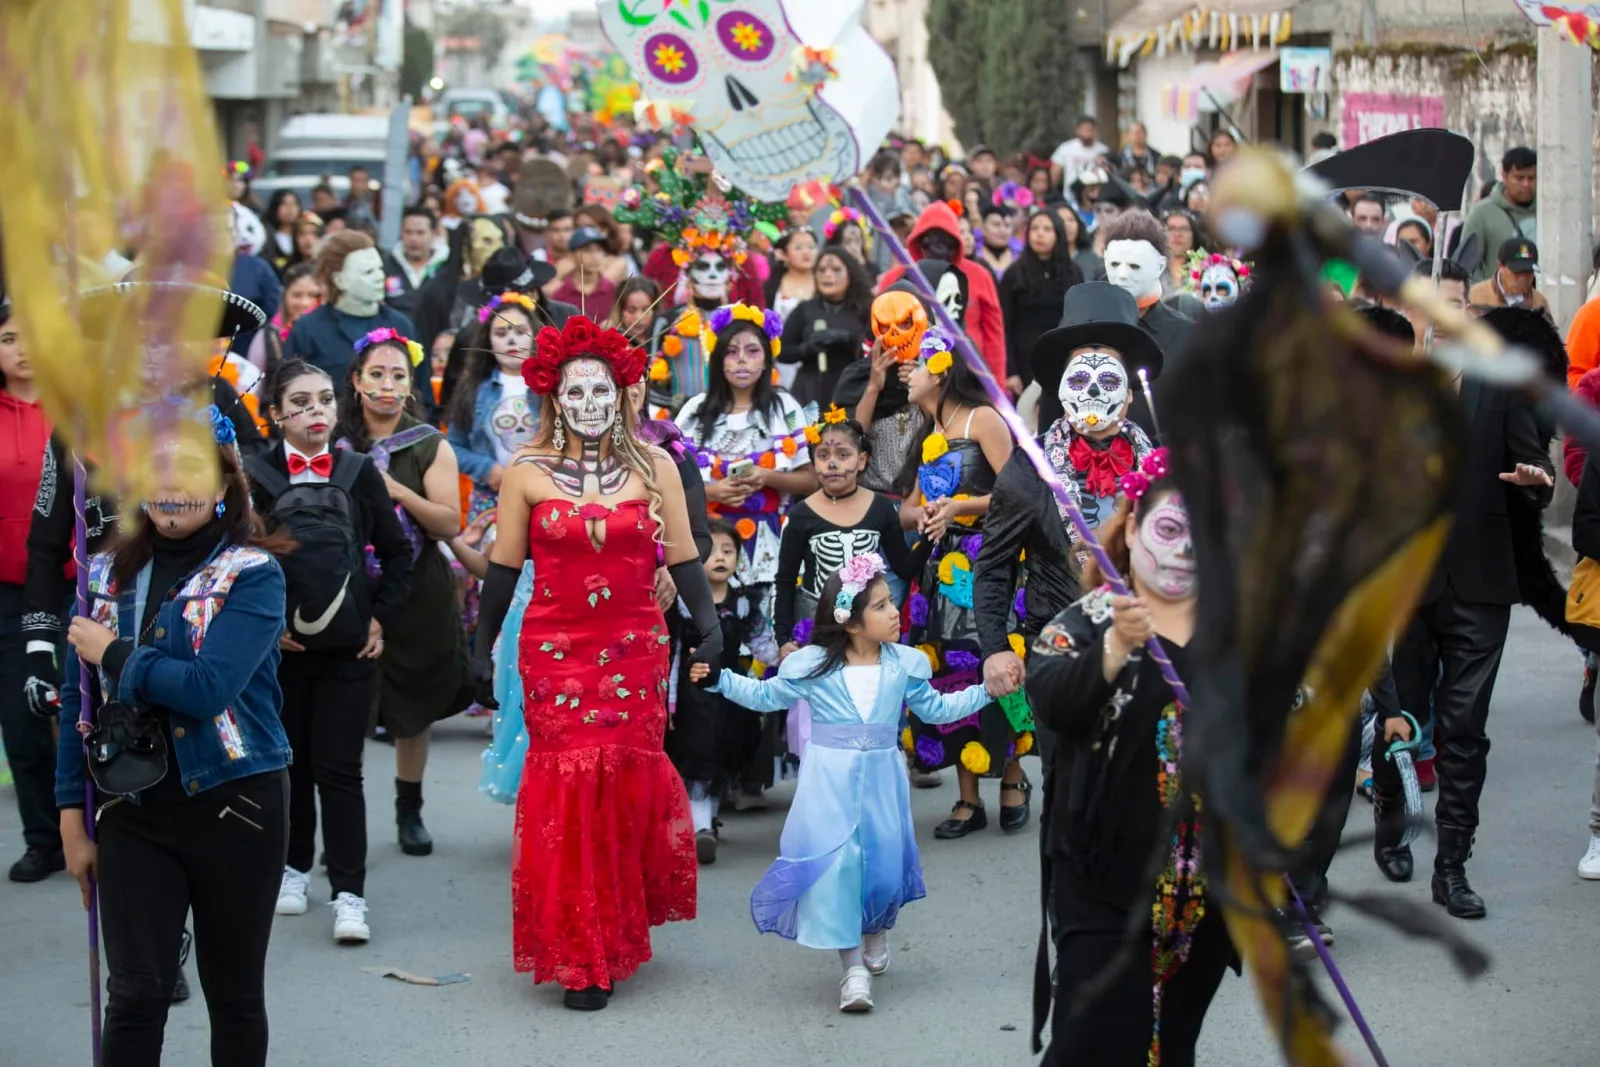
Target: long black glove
pixel 695 592
pixel 499 586
pixel 43 687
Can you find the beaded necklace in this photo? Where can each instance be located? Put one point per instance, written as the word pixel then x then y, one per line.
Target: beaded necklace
pixel 1180 889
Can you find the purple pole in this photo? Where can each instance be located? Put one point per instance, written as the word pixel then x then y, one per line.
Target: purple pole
pixel 80 558
pixel 1019 430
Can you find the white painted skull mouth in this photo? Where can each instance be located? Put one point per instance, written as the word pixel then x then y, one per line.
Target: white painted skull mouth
pixel 775 152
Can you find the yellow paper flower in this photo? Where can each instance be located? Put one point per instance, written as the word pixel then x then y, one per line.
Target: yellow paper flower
pixel 964 520
pixel 933 447
pixel 955 561
pixel 907 742
pixel 932 654
pixel 813 435
pixel 414 350
pixel 659 371
pixel 689 324
pixel 939 363
pixel 834 415
pixel 777 347
pixel 1024 744
pixel 975 758
pixel 1018 645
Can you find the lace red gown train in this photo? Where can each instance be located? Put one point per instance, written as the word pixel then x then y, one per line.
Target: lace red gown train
pixel 604 844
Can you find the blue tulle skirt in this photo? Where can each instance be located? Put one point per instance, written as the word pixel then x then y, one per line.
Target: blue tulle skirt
pixel 502 760
pixel 848 860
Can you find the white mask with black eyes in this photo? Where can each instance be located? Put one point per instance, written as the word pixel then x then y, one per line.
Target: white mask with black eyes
pixel 1162 553
pixel 1094 391
pixel 1219 286
pixel 708 276
pixel 588 398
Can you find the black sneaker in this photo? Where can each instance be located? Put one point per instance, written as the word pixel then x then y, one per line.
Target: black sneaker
pixel 36 866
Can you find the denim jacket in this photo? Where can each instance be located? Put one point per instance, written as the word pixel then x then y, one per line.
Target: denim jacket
pixel 212 663
pixel 474 445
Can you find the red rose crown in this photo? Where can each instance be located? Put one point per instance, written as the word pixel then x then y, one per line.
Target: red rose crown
pixel 578 339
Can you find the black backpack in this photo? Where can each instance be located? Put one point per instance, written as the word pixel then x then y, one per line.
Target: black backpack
pixel 326 575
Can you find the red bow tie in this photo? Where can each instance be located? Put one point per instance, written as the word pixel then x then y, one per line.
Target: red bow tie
pixel 322 466
pixel 1103 465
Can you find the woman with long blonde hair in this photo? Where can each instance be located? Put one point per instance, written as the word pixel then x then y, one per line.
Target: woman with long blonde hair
pixel 607 846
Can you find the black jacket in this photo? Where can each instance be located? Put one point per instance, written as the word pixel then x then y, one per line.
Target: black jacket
pixel 815 328
pixel 1479 562
pixel 1022 515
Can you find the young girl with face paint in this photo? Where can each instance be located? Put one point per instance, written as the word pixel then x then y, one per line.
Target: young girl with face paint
pixel 422 677
pixel 946 484
pixel 490 414
pixel 1121 799
pixel 332 503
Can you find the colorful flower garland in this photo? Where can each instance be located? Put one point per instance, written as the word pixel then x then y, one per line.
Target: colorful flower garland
pixel 1201 261
pixel 521 300
pixel 838 218
pixel 770 321
pixel 390 335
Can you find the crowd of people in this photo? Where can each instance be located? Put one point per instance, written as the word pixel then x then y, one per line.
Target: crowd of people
pixel 599 447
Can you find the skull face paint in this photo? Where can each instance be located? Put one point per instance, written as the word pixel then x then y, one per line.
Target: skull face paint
pixel 1219 286
pixel 709 273
pixel 1094 391
pixel 588 398
pixel 1135 266
pixel 1162 553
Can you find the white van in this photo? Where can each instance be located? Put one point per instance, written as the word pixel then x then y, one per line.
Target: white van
pixel 312 149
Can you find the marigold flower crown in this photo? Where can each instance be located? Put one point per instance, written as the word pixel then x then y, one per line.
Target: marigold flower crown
pixel 857 573
pixel 389 335
pixel 521 300
pixel 580 338
pixel 770 321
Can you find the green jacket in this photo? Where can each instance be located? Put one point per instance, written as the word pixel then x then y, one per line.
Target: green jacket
pixel 1496 220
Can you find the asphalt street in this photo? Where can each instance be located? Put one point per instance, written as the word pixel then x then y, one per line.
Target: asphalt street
pixel 719 995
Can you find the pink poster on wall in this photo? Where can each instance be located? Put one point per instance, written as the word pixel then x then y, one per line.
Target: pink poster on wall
pixel 1371 115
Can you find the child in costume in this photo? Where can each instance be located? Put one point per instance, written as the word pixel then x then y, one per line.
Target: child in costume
pixel 502 760
pixel 849 853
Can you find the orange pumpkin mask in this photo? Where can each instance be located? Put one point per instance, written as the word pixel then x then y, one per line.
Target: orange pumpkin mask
pixel 899 320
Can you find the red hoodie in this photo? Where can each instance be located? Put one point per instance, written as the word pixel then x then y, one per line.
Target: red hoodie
pixel 1572 450
pixel 23 434
pixel 984 324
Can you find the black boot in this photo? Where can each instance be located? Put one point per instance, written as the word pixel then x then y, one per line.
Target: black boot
pixel 1450 885
pixel 1389 819
pixel 593 998
pixel 414 837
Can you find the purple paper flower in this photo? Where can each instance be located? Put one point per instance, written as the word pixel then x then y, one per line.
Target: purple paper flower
pixel 721 317
pixel 773 324
pixel 958 659
pixel 1020 604
pixel 801 633
pixel 971 545
pixel 930 752
pixel 918 606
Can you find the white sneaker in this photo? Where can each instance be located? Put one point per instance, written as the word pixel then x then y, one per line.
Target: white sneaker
pixel 875 949
pixel 292 892
pixel 855 991
pixel 1589 866
pixel 350 920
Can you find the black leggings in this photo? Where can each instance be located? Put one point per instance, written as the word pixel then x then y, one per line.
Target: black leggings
pixel 219 853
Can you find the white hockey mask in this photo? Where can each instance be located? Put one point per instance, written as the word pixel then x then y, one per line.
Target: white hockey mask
pixel 1219 286
pixel 360 282
pixel 588 397
pixel 709 273
pixel 1094 390
pixel 1135 266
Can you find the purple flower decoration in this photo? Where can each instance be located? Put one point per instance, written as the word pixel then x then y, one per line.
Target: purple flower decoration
pixel 930 752
pixel 918 606
pixel 934 341
pixel 702 459
pixel 801 634
pixel 971 545
pixel 1020 604
pixel 961 660
pixel 720 318
pixel 773 324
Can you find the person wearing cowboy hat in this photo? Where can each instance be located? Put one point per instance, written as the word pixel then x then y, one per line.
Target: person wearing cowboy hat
pixel 1086 368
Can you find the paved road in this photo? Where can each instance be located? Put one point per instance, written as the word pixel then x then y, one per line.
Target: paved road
pixel 958 993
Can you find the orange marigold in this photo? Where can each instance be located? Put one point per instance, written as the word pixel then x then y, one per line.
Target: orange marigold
pixel 768 460
pixel 671 345
pixel 746 528
pixel 689 325
pixel 813 435
pixel 789 447
pixel 680 257
pixel 659 372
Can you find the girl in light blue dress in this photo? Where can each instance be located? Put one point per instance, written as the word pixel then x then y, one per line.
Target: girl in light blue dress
pixel 502 760
pixel 849 852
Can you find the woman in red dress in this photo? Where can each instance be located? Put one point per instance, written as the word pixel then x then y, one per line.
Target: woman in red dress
pixel 604 844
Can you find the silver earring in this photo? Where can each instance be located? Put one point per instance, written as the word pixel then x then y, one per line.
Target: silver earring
pixel 222 508
pixel 559 438
pixel 616 434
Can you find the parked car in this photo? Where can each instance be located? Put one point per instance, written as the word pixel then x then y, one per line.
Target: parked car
pixel 471 104
pixel 311 149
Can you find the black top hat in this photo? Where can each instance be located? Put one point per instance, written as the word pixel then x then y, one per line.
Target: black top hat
pixel 99 307
pixel 1095 313
pixel 510 270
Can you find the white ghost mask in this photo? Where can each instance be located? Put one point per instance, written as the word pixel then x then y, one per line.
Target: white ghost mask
pixel 1094 391
pixel 588 398
pixel 360 283
pixel 1219 286
pixel 1135 266
pixel 730 65
pixel 709 273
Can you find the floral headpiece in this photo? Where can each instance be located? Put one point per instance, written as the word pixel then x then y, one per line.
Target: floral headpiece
pixel 770 321
pixel 1015 194
pixel 238 168
pixel 839 217
pixel 580 338
pixel 694 214
pixel 521 300
pixel 389 335
pixel 935 351
pixel 857 573
pixel 1201 261
pixel 1135 484
pixel 222 429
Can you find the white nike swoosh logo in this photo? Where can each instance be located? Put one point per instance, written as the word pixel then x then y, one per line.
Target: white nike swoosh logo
pixel 320 623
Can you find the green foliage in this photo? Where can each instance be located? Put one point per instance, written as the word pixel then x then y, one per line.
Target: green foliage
pixel 484 24
pixel 1008 71
pixel 416 67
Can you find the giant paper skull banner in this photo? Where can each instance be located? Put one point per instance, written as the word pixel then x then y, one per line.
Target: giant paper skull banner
pixel 779 91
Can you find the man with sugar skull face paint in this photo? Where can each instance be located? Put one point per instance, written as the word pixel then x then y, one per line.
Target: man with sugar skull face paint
pixel 1085 368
